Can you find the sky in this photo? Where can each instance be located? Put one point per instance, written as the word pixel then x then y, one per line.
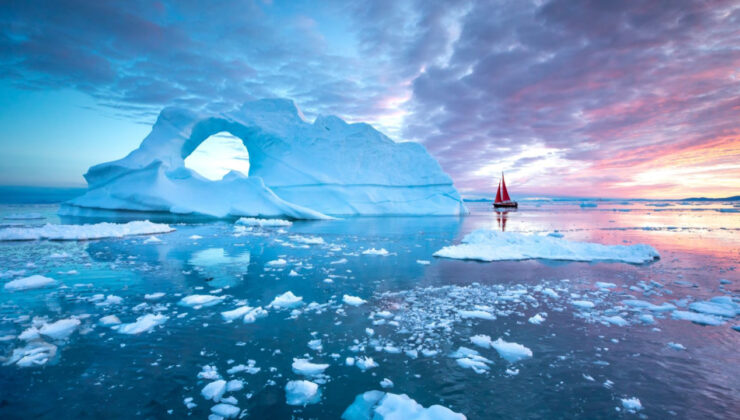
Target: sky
pixel 568 97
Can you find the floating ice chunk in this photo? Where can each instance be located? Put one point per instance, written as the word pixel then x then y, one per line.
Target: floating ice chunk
pixel 254 314
pixel 512 352
pixel 476 314
pixel 152 240
pixel 286 301
pixel 583 304
pixel 365 363
pixel 490 245
pixel 154 296
pixel 350 361
pixel 605 285
pixel 83 232
pixel 277 263
pixel 226 411
pixel 616 320
pixel 719 305
pixel 378 405
pixel 234 385
pixel 481 341
pixel 236 313
pixel 200 301
pixel 111 300
pixel 697 318
pixel 36 353
pixel 423 262
pixel 373 251
pixel 109 320
pixel 214 390
pixel 676 346
pixel 249 368
pixel 386 383
pixel 301 393
pixel 551 293
pixel 647 319
pixel 631 404
pixel 307 240
pixel 251 221
pixel 635 303
pixel 306 368
pixel 30 333
pixel 537 319
pixel 209 372
pixel 315 345
pixel 28 283
pixel 195 237
pixel 478 364
pixel 61 329
pixel 143 323
pixel 353 300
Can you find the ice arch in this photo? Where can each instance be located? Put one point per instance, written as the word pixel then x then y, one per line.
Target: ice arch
pixel 297 169
pixel 218 155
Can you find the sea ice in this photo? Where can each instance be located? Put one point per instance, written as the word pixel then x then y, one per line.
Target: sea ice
pixel 28 283
pixel 490 245
pixel 697 318
pixel 154 296
pixel 226 411
pixel 476 314
pixel 251 221
pixel 236 313
pixel 83 232
pixel 35 353
pixel 61 329
pixel 537 319
pixel 302 393
pixel 353 300
pixel 378 405
pixel 286 301
pixel 214 390
pixel 365 363
pixel 719 305
pixel 109 320
pixel 306 368
pixel 200 301
pixel 631 404
pixel 143 323
pixel 373 251
pixel 512 352
pixel 583 304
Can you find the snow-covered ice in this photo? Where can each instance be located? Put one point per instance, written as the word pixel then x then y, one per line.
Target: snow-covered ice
pixel 631 404
pixel 512 352
pixel 490 245
pixel 82 232
pixel 31 282
pixel 214 390
pixel 352 300
pixel 306 368
pixel 200 301
pixel 60 329
pixel 286 301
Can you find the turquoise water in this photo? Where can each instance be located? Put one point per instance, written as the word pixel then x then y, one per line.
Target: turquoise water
pixel 581 366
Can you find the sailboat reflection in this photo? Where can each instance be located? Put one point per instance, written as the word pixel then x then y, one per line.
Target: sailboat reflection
pixel 501 217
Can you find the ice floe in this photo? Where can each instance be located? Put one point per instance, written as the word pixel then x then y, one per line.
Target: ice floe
pixel 286 301
pixel 83 232
pixel 251 221
pixel 200 301
pixel 353 300
pixel 306 368
pixel 31 282
pixel 214 390
pixel 490 245
pixel 60 329
pixel 372 251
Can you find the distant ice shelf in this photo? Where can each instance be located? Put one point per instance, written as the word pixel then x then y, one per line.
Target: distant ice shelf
pixel 490 245
pixel 298 170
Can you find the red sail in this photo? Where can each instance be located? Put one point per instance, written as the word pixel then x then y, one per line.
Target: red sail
pixel 498 193
pixel 505 193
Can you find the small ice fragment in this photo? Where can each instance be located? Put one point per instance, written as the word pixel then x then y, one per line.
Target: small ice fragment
pixel 143 324
pixel 583 304
pixel 537 319
pixel 306 368
pixel 200 301
pixel 481 341
pixel 512 352
pixel 28 283
pixel 631 404
pixel 214 390
pixel 350 361
pixel 61 329
pixel 605 285
pixel 301 393
pixel 315 345
pixel 353 300
pixel 251 221
pixel 380 405
pixel 235 313
pixel 697 318
pixel 285 301
pixel 154 296
pixel 226 411
pixel 676 346
pixel 423 262
pixel 386 383
pixel 109 320
pixel 365 363
pixel 373 251
pixel 277 263
pixel 476 314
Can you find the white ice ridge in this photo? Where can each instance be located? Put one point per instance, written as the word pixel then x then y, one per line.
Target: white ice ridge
pixel 83 232
pixel 490 245
pixel 378 405
pixel 298 170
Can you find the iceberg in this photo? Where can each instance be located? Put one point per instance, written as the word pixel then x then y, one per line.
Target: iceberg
pixel 490 245
pixel 28 283
pixel 298 170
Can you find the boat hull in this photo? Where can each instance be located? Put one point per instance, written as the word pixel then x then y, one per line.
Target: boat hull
pixel 509 205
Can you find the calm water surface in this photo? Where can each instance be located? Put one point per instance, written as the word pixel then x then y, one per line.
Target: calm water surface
pixel 581 366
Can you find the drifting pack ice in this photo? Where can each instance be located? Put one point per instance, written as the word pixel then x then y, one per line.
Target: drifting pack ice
pixel 298 170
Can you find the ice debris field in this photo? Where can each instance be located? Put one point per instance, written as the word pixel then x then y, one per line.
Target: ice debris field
pixel 362 319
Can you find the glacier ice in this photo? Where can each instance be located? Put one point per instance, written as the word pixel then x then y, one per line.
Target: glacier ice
pixel 298 170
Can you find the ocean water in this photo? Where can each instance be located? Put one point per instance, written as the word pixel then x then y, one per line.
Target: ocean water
pixel 582 365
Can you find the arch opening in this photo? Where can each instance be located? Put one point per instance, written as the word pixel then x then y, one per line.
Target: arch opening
pixel 218 155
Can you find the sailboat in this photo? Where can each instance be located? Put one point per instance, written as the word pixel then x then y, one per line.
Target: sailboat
pixel 502 196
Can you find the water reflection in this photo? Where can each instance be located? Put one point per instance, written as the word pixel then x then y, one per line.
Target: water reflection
pixel 220 269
